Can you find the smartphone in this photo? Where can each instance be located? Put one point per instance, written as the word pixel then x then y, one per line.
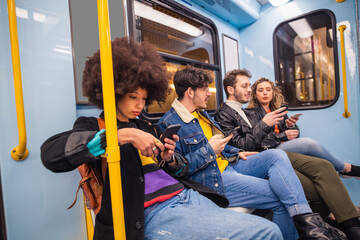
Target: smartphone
pixel 286 107
pixel 297 115
pixel 169 131
pixel 232 131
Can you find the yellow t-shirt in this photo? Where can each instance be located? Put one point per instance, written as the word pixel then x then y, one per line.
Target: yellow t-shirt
pixel 206 127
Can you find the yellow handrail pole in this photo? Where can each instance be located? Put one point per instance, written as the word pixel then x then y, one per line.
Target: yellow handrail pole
pixel 20 152
pixel 112 149
pixel 89 222
pixel 342 28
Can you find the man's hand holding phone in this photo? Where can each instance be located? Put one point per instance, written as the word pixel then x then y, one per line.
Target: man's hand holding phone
pixel 231 132
pixel 218 142
pixel 275 117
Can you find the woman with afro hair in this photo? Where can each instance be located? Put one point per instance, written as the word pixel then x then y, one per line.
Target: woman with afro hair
pixel 158 202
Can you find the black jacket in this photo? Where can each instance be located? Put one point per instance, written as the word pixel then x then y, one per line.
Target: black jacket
pixel 67 150
pixel 273 139
pixel 246 138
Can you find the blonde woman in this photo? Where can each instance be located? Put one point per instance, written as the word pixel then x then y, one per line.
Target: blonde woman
pixel 265 98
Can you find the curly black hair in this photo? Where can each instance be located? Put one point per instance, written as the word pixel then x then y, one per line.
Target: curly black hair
pixel 135 65
pixel 190 77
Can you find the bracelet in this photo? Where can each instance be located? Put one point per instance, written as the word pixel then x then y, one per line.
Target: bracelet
pixel 172 159
pixel 163 161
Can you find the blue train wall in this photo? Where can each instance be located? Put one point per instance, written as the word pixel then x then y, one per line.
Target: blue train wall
pixel 35 199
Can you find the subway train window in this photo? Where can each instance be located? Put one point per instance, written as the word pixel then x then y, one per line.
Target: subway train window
pixel 181 37
pixel 172 67
pixel 305 53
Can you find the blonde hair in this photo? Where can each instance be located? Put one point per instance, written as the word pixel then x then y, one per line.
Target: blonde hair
pixel 277 97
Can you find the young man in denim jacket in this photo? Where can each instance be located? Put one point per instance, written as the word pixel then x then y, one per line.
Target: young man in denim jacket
pixel 256 180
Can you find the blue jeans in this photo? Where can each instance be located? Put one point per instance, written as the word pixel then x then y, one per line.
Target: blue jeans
pixel 267 181
pixel 190 215
pixel 310 147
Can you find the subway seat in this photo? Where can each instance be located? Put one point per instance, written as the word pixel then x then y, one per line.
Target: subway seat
pixel 241 209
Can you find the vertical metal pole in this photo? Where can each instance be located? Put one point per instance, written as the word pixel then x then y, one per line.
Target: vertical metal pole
pixel 89 223
pixel 112 149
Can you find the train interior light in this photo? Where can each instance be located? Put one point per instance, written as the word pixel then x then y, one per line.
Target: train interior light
pixel 148 12
pixel 278 3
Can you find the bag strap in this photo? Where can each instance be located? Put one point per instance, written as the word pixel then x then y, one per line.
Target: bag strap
pixel 80 184
pixel 101 124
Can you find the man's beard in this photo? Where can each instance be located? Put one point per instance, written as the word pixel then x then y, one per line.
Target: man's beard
pixel 239 98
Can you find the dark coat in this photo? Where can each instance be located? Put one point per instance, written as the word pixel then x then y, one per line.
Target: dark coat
pixel 245 138
pixel 273 139
pixel 67 150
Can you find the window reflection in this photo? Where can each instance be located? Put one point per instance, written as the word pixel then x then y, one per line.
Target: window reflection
pixel 306 66
pixel 173 33
pixel 172 68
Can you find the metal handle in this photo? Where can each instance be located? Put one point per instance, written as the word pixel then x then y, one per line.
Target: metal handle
pixel 112 149
pixel 342 28
pixel 20 152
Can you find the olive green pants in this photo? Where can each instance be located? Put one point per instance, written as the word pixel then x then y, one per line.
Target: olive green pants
pixel 322 186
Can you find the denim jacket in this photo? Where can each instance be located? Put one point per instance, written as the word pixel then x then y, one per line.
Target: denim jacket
pixel 195 147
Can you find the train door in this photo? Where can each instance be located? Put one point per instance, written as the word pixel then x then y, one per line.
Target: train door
pixel 35 199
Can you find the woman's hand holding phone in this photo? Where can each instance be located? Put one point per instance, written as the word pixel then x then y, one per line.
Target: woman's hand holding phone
pixel 291 134
pixel 292 120
pixel 170 131
pixel 170 145
pixel 145 142
pixel 169 139
pixel 296 116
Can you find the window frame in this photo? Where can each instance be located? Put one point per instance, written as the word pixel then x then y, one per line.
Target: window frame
pixel 335 52
pixel 174 6
pixel 224 36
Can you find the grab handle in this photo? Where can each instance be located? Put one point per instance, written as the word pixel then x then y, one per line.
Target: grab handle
pixel 342 28
pixel 20 152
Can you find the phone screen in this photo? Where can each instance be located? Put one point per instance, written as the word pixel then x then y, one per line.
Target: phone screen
pixel 169 131
pixel 286 107
pixel 297 115
pixel 232 132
